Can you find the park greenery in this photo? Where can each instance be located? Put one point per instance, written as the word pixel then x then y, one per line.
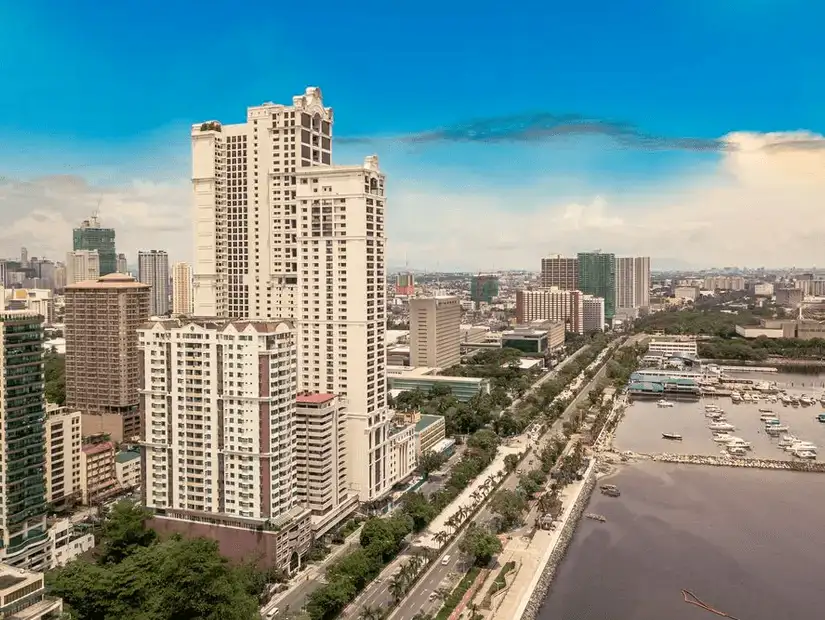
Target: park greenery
pixel 480 544
pixel 762 348
pixel 55 376
pixel 133 575
pixel 383 537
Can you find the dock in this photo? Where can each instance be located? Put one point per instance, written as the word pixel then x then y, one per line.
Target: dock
pixel 817 467
pixel 748 369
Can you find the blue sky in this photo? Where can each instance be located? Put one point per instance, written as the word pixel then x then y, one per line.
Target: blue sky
pixel 107 91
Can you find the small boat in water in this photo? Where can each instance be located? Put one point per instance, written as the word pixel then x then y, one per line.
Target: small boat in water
pixel 664 403
pixel 766 417
pixel 806 400
pixel 762 410
pixel 595 517
pixel 804 454
pixel 735 396
pixel 721 426
pixel 722 437
pixel 736 451
pixel 821 418
pixel 672 436
pixel 611 490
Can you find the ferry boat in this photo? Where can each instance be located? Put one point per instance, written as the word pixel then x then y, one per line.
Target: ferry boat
pixel 721 426
pixel 672 436
pixel 664 403
pixel 821 417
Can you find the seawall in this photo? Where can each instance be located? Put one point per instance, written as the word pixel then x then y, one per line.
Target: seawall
pixel 724 461
pixel 556 553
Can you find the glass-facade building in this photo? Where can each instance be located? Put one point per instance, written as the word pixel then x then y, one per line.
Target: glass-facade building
pixel 23 444
pixel 597 277
pixel 91 237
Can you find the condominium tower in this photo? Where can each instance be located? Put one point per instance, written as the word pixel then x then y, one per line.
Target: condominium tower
pixel 182 288
pixel 641 272
pixel 22 447
pixel 281 233
pixel 560 272
pixel 435 331
pixel 92 236
pixel 551 304
pixel 625 282
pixel 219 400
pixel 153 269
pixel 597 277
pixel 82 265
pixel 102 365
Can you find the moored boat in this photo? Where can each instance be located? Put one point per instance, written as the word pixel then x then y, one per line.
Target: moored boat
pixel 672 436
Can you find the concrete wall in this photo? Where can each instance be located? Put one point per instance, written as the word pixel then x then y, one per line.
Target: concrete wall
pixel 531 611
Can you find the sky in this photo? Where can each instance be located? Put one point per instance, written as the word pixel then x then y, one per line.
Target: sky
pixel 691 132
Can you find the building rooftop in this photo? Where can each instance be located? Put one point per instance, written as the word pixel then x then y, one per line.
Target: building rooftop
pixel 314 399
pixel 126 455
pixel 97 448
pixel 219 324
pixel 427 420
pixel 109 281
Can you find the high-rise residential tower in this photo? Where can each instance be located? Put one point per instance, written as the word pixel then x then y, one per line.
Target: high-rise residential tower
pixel 560 272
pixel 122 264
pixel 281 233
pixel 23 443
pixel 597 277
pixel 182 288
pixel 551 304
pixel 102 362
pixel 82 265
pixel 153 269
pixel 435 331
pixel 625 282
pixel 641 271
pixel 219 399
pixel 91 236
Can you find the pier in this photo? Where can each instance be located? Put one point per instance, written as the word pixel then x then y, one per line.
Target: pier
pixel 817 467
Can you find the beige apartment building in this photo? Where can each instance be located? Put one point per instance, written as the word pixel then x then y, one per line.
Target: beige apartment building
pixel 551 304
pixel 98 479
pixel 182 301
pixel 281 233
pixel 321 460
pixel 435 331
pixel 220 438
pixel 82 265
pixel 63 455
pixel 560 272
pixel 102 361
pixel 23 596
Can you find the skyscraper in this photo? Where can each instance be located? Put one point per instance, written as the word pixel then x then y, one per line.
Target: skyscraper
pixel 102 362
pixel 625 282
pixel 559 271
pixel 641 268
pixel 91 236
pixel 551 304
pixel 281 233
pixel 23 445
pixel 597 277
pixel 81 266
pixel 182 288
pixel 121 264
pixel 153 269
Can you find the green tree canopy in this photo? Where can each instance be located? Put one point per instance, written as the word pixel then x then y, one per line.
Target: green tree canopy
pixel 480 544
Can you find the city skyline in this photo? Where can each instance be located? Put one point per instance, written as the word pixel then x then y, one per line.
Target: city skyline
pixel 618 150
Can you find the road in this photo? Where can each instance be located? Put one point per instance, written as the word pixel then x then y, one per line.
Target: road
pixel 450 563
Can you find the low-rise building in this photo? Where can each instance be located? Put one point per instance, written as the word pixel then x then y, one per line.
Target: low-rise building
pixel 675 345
pixel 429 431
pixel 686 293
pixel 424 379
pixel 797 329
pixel 68 541
pixel 789 297
pixel 23 596
pixel 127 469
pixel 401 451
pixel 98 478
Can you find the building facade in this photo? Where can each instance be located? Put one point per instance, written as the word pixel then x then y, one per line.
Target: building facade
pixel 153 269
pixel 560 272
pixel 318 260
pixel 98 478
pixel 594 313
pixel 625 282
pixel 484 288
pixel 23 443
pixel 641 273
pixel 102 361
pixel 551 304
pixel 182 302
pixel 91 236
pixel 37 300
pixel 82 265
pixel 63 461
pixel 23 595
pixel 435 331
pixel 405 284
pixel 121 264
pixel 597 277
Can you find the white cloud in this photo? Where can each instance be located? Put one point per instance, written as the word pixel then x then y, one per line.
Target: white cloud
pixel 762 205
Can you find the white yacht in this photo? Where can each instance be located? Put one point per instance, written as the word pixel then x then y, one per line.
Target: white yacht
pixel 776 429
pixel 722 437
pixel 786 400
pixel 746 397
pixel 804 454
pixel 738 442
pixel 772 398
pixel 664 403
pixel 802 445
pixel 788 440
pixel 721 426
pixel 806 400
pixel 735 396
pixel 768 416
pixel 714 415
pixel 737 451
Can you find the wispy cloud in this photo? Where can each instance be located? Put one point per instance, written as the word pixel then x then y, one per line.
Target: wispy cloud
pixel 543 127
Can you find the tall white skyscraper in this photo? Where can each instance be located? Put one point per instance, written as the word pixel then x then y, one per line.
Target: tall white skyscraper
pixel 625 282
pixel 281 233
pixel 82 265
pixel 153 269
pixel 182 288
pixel 641 269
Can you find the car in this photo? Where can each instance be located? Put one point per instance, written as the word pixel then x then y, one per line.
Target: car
pixel 272 613
pixel 446 560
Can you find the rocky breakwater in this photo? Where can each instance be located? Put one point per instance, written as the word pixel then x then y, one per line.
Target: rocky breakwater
pixel 548 572
pixel 727 461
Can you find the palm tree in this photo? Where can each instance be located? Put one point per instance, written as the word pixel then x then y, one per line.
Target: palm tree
pixel 451 522
pixel 397 587
pixel 371 613
pixel 476 495
pixel 441 538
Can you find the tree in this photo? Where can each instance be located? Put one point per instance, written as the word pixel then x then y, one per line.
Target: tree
pixel 125 531
pixel 371 613
pixel 429 462
pixel 55 377
pixel 326 602
pixel 480 544
pixel 509 506
pixel 397 588
pixel 441 537
pixel 511 462
pixel 419 509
